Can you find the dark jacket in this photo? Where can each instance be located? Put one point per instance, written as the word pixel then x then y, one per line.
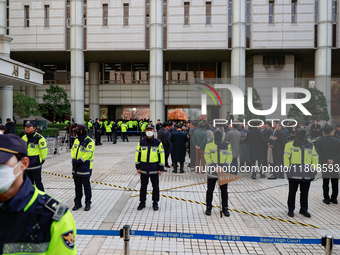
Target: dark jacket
pixel 178 140
pixel 316 131
pixel 279 145
pixel 256 140
pixel 164 136
pixel 328 147
pixel 159 126
pixel 97 127
pixel 10 128
pixel 200 138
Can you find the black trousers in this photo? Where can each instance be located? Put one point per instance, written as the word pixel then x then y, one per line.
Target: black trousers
pixel 114 137
pixel 253 166
pixel 79 183
pixel 124 136
pixel 35 177
pixel 210 192
pixel 304 189
pixel 144 179
pixel 335 188
pixel 109 136
pixel 166 151
pixel 181 165
pixel 97 136
pixel 234 165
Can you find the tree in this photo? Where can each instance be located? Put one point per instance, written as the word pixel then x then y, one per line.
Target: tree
pixel 317 106
pixel 335 98
pixel 248 115
pixel 177 114
pixel 24 106
pixel 56 104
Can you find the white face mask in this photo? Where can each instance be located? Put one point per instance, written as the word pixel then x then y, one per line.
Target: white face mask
pixel 7 177
pixel 149 133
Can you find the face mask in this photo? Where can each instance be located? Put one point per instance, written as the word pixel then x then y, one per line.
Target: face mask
pixel 7 177
pixel 301 135
pixel 149 133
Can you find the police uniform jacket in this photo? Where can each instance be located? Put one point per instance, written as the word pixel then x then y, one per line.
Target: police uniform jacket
pixel 82 153
pixel 150 156
pixel 217 155
pixel 34 223
pixel 36 150
pixel 302 160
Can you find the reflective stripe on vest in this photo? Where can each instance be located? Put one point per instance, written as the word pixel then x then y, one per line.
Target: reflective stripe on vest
pixel 10 248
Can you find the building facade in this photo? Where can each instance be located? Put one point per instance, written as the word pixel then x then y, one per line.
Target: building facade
pixel 144 53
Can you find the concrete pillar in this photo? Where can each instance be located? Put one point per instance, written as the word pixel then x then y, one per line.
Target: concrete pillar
pixel 238 53
pixel 31 90
pixel 94 90
pixel 225 95
pixel 323 54
pixel 6 103
pixel 6 92
pixel 77 60
pixel 156 60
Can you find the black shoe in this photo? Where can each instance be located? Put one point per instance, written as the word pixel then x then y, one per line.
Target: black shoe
pixel 100 144
pixel 291 214
pixel 175 171
pixel 76 207
pixel 226 212
pixel 306 214
pixel 87 207
pixel 253 176
pixel 334 200
pixel 272 177
pixel 208 211
pixel 181 172
pixel 165 170
pixel 263 176
pixel 327 201
pixel 167 166
pixel 155 206
pixel 141 206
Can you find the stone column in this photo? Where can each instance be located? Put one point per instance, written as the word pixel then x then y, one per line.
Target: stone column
pixel 31 90
pixel 156 61
pixel 77 61
pixel 225 94
pixel 323 54
pixel 6 92
pixel 238 53
pixel 94 80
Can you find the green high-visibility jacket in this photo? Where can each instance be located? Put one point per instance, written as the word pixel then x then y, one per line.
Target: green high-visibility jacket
pixel 123 127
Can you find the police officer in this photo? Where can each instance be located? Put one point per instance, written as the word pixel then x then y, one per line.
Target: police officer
pixel 124 128
pixel 149 163
pixel 301 160
pixel 31 221
pixel 217 153
pixel 82 153
pixel 37 153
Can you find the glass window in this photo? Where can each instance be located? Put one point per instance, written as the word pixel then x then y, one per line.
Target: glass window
pixel 47 16
pixel 179 72
pixel 49 75
pixel 316 20
pixel 208 70
pixel 335 19
pixel 26 16
pixel 111 73
pixel 61 74
pixel 208 13
pixel 294 3
pixel 140 73
pixel 105 14
pixel 230 23
pixel 193 72
pixel 126 75
pixel 126 14
pixel 271 12
pixel 7 17
pixel 248 24
pixel 186 13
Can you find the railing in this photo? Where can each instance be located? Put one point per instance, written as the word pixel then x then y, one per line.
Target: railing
pixel 327 241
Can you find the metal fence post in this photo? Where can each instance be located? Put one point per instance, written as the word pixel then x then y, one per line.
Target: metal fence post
pixel 126 236
pixel 329 244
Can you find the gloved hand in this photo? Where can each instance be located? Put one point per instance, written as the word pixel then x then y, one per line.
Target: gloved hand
pixel 42 162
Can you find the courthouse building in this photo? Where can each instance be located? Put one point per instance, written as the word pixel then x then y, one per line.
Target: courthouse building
pixel 144 53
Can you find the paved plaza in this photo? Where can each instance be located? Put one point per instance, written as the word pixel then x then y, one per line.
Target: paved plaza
pixel 113 207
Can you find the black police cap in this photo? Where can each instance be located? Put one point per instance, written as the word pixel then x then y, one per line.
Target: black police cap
pixel 11 145
pixel 30 123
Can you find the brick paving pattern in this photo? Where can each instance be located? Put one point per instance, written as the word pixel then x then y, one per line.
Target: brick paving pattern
pixel 112 208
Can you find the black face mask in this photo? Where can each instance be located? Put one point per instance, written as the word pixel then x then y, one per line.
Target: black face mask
pixel 218 137
pixel 300 135
pixel 79 133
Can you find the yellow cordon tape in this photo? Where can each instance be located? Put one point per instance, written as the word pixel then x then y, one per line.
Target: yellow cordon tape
pixel 190 185
pixel 194 202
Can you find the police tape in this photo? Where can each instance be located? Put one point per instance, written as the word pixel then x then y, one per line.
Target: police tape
pixel 195 202
pixel 230 238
